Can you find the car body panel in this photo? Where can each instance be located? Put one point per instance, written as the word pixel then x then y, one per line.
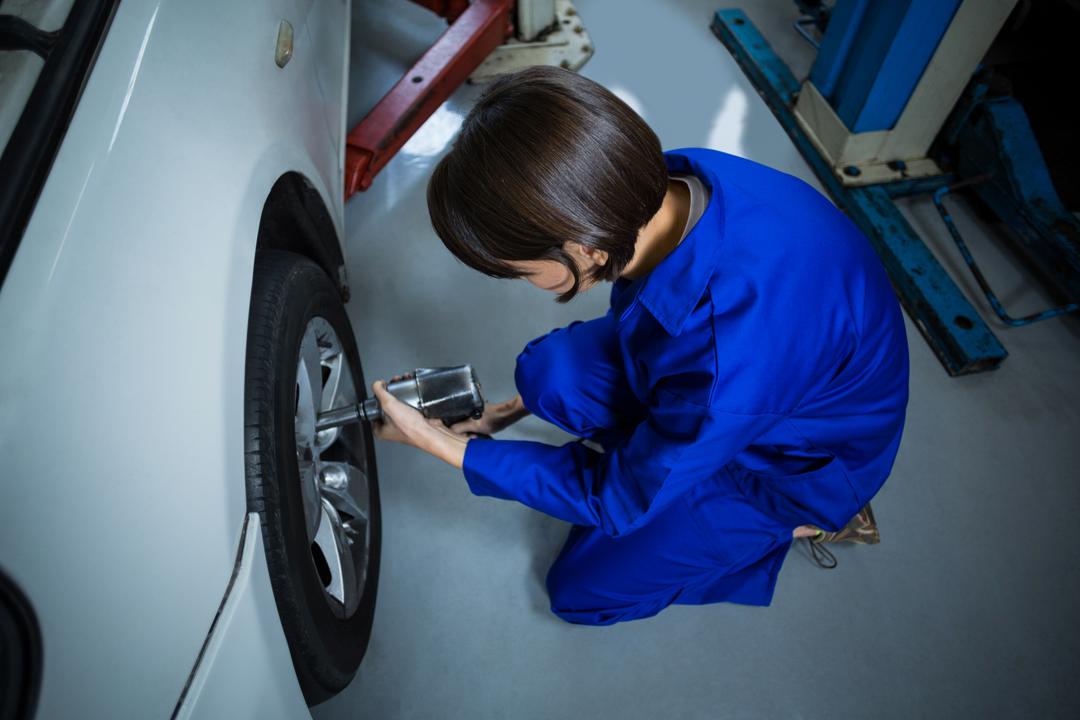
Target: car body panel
pixel 124 321
pixel 245 649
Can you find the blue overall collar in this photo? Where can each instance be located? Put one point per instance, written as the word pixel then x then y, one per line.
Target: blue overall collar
pixel 674 287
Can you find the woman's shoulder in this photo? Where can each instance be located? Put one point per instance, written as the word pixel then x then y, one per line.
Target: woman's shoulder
pixel 757 181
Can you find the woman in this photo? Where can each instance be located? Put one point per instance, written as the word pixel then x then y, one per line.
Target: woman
pixel 747 386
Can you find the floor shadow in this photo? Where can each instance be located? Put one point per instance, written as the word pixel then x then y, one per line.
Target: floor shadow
pixel 545 536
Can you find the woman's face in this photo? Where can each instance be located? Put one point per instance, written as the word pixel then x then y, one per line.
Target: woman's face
pixel 553 276
pixel 547 275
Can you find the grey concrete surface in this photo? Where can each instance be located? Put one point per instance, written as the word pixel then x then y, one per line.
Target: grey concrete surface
pixel 967 609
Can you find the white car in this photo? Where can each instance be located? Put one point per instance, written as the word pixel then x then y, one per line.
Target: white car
pixel 176 539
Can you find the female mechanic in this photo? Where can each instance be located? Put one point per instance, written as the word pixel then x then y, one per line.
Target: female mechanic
pixel 747 386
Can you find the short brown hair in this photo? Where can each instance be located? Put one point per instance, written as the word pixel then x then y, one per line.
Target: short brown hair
pixel 544 157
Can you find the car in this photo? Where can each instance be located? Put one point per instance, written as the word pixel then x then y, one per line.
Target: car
pixel 176 537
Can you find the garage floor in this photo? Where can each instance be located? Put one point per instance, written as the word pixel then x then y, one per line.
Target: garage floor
pixel 968 608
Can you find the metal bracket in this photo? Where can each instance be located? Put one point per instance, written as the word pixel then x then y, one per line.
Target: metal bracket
pixel 984 285
pixel 565 43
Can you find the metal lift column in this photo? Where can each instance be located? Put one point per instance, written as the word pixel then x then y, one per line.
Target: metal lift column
pixel 886 78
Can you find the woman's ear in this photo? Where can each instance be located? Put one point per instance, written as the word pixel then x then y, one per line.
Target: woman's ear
pixel 590 257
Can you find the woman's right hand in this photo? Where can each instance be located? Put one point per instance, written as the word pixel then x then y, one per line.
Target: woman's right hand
pixel 496 417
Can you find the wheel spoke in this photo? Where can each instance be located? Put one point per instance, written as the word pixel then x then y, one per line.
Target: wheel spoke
pixel 311 360
pixel 344 502
pixel 333 385
pixel 309 495
pixel 336 392
pixel 353 444
pixel 304 422
pixel 338 554
pixel 341 482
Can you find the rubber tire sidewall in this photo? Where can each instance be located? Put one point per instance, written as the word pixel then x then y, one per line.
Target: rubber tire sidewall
pixel 288 291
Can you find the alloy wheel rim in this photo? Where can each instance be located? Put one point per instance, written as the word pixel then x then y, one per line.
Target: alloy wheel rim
pixel 332 470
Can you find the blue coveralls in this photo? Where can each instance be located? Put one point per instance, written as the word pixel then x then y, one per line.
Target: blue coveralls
pixel 754 381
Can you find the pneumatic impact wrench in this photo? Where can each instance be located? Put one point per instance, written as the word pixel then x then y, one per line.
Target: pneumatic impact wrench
pixel 450 394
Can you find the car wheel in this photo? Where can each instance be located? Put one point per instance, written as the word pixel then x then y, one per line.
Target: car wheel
pixel 316 492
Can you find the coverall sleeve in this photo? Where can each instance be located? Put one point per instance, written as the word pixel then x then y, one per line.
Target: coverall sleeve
pixel 676 445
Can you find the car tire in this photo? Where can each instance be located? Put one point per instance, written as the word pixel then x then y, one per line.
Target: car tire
pixel 295 472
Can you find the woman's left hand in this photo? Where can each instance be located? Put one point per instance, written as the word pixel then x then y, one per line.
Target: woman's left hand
pixel 404 424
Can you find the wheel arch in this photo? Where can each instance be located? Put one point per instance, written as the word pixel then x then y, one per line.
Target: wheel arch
pixel 295 218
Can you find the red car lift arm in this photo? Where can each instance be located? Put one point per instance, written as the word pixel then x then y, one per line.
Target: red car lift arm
pixel 470 38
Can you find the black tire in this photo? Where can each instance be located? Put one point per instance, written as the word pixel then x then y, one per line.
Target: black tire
pixel 288 291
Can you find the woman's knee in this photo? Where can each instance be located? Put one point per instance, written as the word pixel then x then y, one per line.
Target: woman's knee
pixel 533 373
pixel 545 377
pixel 573 377
pixel 562 593
pixel 572 602
pixel 567 600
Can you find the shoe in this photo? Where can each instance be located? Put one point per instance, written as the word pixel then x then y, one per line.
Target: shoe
pixel 861 529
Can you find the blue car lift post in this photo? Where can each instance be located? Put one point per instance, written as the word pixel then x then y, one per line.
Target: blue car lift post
pixel 952 327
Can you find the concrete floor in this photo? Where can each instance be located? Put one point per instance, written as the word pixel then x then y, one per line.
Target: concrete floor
pixel 968 608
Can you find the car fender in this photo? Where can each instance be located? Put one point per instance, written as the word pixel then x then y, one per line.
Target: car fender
pixel 124 318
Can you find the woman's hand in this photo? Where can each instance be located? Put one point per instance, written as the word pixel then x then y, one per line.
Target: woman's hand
pixel 496 417
pixel 404 424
